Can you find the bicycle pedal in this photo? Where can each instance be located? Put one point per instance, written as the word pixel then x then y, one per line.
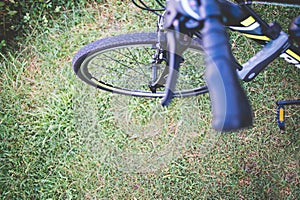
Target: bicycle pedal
pixel 281 117
pixel 266 55
pixel 281 111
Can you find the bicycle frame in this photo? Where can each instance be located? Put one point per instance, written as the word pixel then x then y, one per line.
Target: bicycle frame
pixel 243 19
pixel 253 27
pixel 276 43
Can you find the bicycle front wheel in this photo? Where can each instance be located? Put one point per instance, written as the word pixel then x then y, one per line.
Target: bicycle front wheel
pixel 123 64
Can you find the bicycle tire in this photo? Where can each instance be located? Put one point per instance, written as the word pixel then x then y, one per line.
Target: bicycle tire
pixel 111 64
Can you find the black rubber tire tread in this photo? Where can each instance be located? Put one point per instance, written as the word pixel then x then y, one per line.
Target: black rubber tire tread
pixel 122 40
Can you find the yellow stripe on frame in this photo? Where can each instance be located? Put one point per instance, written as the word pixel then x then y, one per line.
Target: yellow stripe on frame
pixel 258 37
pixel 247 22
pixel 294 55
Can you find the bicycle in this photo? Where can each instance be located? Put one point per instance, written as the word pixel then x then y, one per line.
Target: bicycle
pixel 188 33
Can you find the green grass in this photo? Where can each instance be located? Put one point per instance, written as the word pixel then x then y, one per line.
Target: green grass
pixel 61 139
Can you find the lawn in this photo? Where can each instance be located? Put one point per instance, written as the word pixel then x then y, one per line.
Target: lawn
pixel 61 139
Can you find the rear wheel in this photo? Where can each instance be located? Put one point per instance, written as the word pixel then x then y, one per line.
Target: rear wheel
pixel 123 64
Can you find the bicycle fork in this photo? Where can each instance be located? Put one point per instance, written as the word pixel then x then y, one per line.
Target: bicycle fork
pixel 170 45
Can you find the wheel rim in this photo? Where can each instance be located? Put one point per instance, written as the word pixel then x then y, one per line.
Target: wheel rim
pixel 127 69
